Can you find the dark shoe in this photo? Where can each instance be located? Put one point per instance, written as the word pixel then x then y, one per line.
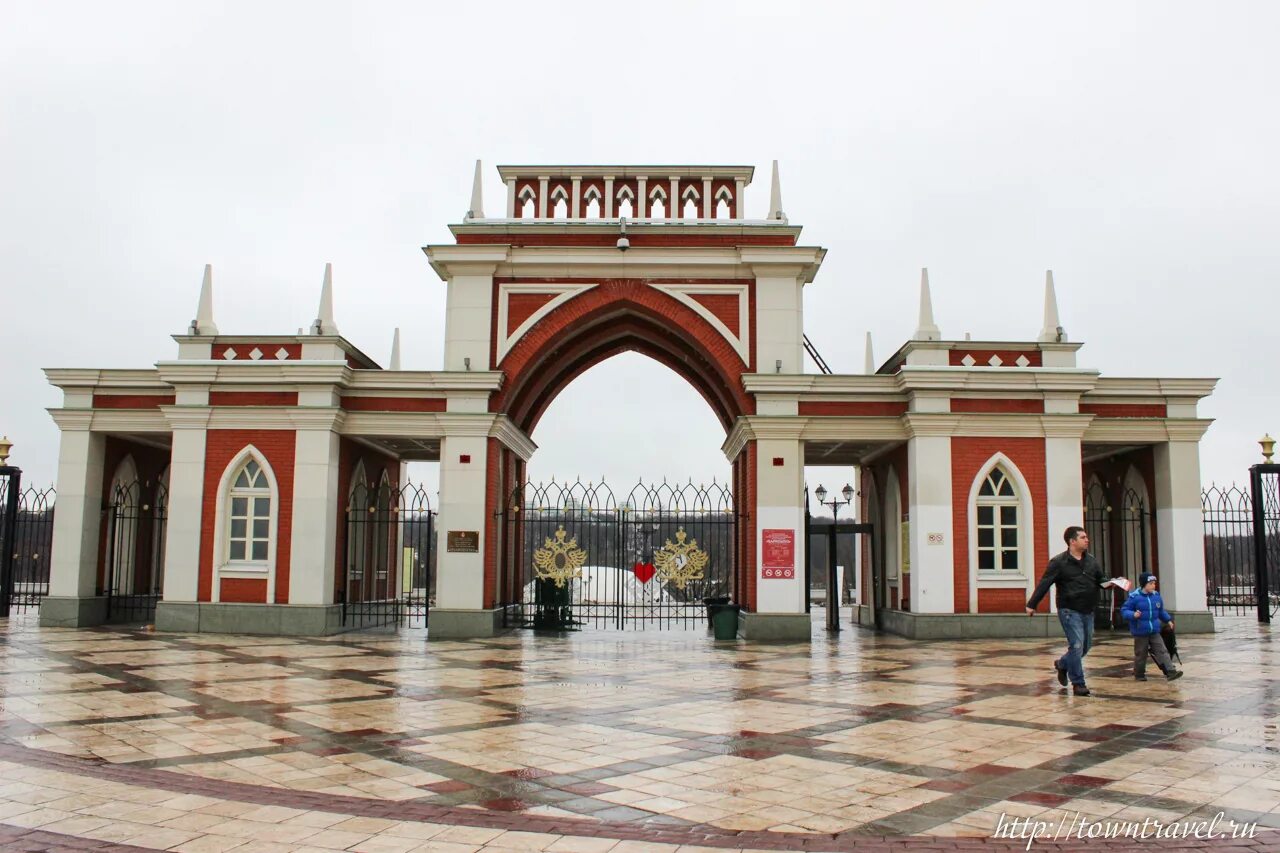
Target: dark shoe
pixel 1174 676
pixel 1062 674
pixel 1081 690
pixel 1139 678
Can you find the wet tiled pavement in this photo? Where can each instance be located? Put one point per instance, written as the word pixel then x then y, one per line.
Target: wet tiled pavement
pixel 122 739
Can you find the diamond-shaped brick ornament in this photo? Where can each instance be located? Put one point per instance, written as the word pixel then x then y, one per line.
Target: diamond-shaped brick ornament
pixel 1023 361
pixel 229 354
pixel 255 353
pixel 968 361
pixel 995 361
pixel 282 354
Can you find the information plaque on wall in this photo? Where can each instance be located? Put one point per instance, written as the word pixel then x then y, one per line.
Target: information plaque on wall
pixel 778 553
pixel 467 541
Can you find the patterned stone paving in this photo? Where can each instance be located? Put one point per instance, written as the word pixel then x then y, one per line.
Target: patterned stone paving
pixel 121 739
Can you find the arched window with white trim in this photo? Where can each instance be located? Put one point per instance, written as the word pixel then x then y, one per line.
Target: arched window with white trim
pixel 998 524
pixel 593 203
pixel 249 515
pixel 658 203
pixel 526 203
pixel 689 204
pixel 559 203
pixel 723 199
pixel 626 203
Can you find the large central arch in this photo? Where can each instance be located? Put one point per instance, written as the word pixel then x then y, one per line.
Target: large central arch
pixel 615 316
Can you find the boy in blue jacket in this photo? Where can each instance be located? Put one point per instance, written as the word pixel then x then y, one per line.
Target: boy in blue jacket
pixel 1144 608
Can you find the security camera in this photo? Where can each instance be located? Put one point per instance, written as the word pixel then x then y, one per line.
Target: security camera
pixel 623 242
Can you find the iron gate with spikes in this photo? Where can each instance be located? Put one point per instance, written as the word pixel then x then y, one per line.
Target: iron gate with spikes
pixel 576 555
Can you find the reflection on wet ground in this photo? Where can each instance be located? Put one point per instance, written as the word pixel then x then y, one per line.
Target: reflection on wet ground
pixel 607 741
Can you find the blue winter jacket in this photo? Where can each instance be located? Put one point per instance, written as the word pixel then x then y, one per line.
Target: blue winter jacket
pixel 1152 609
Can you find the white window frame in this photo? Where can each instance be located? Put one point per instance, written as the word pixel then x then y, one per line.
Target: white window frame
pixel 1024 576
pixel 224 567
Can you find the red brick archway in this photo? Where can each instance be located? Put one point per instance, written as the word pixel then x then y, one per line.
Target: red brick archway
pixel 615 316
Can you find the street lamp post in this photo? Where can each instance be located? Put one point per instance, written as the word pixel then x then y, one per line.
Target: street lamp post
pixel 833 594
pixel 12 476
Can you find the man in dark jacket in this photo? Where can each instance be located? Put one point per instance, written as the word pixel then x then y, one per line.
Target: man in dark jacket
pixel 1078 578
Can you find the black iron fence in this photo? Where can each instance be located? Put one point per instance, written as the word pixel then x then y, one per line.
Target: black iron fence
pixel 575 555
pixel 389 565
pixel 26 538
pixel 135 519
pixel 1242 545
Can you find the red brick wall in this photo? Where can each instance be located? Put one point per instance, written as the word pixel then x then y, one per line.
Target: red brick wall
pixel 1124 410
pixel 725 307
pixel 222 445
pixel 268 351
pixel 131 401
pixel 983 357
pixel 968 455
pixel 243 590
pixel 522 306
pixel 970 404
pixel 1005 601
pixel 888 408
pixel 352 403
pixel 253 398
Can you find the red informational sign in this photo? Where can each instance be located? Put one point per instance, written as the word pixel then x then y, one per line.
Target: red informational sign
pixel 778 553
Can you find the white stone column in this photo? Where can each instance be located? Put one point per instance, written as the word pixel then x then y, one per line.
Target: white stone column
pixel 608 196
pixel 642 199
pixel 460 592
pixel 1064 488
pixel 73 570
pixel 313 533
pixel 674 207
pixel 706 198
pixel 930 536
pixel 542 197
pixel 1179 525
pixel 780 601
pixel 186 503
pixel 575 203
pixel 738 210
pixel 511 198
pixel 779 321
pixel 467 317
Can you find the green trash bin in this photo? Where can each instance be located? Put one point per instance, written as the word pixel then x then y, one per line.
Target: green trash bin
pixel 724 618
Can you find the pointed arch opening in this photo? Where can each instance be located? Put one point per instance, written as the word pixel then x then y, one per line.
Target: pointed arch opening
pixel 246 522
pixel 1001 525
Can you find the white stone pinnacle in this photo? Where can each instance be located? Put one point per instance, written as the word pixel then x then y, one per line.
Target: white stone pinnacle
pixel 395 350
pixel 927 330
pixel 871 357
pixel 775 196
pixel 477 196
pixel 324 324
pixel 203 323
pixel 1052 330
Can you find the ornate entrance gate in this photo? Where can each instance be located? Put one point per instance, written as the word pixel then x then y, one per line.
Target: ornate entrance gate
pixel 577 556
pixel 388 556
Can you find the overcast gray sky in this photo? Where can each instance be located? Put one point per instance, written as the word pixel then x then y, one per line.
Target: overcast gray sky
pixel 1130 147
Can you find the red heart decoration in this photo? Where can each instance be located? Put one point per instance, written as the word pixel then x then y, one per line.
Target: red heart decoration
pixel 644 572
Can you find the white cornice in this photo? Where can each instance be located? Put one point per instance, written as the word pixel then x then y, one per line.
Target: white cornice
pixel 145 379
pixel 996 378
pixel 1145 430
pixel 513 437
pixel 254 372
pixel 830 385
pixel 409 381
pixel 72 419
pixel 1148 387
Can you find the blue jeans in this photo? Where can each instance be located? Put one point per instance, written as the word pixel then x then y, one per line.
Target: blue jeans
pixel 1079 630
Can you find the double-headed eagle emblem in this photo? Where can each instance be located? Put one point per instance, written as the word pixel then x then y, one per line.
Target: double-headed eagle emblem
pixel 680 562
pixel 559 560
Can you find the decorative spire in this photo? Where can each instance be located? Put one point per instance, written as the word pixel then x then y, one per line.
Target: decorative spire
pixel 477 196
pixel 928 330
pixel 775 196
pixel 203 323
pixel 324 324
pixel 1052 331
pixel 871 357
pixel 395 350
